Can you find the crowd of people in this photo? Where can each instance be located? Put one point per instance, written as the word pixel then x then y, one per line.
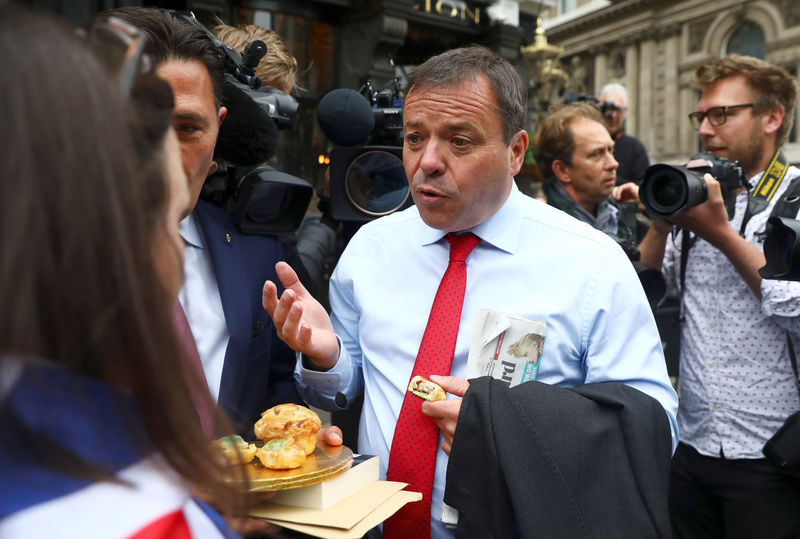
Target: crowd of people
pixel 139 322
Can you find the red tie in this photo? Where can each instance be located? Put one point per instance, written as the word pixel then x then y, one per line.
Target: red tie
pixel 412 458
pixel 194 371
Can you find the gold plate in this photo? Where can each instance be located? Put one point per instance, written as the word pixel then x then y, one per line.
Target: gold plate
pixel 325 462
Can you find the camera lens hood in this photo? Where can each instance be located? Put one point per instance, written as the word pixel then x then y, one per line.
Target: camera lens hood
pixel 669 190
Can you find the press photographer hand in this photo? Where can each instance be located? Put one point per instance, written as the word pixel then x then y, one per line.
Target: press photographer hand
pixel 708 220
pixel 300 320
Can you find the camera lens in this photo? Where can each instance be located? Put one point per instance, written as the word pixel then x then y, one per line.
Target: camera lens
pixel 668 191
pixel 376 183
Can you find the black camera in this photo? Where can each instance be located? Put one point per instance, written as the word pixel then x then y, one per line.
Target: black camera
pixel 262 200
pixel 783 448
pixel 782 249
pixel 606 107
pixel 367 178
pixel 668 190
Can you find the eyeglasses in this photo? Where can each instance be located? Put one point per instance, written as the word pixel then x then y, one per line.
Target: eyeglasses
pixel 716 115
pixel 116 37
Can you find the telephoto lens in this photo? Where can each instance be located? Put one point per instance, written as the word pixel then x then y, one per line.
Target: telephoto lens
pixel 669 190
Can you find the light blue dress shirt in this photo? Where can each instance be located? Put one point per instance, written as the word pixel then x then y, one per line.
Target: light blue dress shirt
pixel 200 299
pixel 536 262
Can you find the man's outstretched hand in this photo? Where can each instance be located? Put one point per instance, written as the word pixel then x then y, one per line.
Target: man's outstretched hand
pixel 300 320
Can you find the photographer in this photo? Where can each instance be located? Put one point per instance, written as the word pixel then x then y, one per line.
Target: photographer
pixel 737 383
pixel 278 68
pixel 629 151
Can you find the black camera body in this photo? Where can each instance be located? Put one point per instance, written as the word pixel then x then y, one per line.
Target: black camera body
pixel 782 249
pixel 606 107
pixel 669 190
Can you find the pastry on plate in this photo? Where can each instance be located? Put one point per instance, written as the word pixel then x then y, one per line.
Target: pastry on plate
pixel 281 454
pixel 236 449
pixel 289 421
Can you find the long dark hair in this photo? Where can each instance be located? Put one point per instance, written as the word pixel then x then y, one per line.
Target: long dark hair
pixel 78 285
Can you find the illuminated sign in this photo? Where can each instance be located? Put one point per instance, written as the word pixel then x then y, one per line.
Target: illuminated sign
pixel 450 9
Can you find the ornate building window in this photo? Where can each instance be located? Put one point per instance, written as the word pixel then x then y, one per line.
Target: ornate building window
pixel 565 6
pixel 748 39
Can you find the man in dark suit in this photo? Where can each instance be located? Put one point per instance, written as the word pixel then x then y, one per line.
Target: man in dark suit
pixel 247 367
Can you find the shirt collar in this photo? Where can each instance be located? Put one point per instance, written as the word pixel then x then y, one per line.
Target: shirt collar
pixel 501 230
pixel 189 229
pixel 607 214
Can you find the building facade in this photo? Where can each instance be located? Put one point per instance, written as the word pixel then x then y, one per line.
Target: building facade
pixel 653 47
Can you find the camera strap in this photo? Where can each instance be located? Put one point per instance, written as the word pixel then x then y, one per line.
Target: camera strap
pixel 793 359
pixel 763 192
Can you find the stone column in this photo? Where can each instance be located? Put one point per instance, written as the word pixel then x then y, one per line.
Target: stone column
pixel 631 83
pixel 600 71
pixel 672 106
pixel 686 132
pixel 646 134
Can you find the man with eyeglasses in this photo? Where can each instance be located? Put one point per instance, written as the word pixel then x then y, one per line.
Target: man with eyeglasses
pixel 629 151
pixel 737 382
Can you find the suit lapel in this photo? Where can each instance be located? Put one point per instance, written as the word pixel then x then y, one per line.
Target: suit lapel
pixel 227 259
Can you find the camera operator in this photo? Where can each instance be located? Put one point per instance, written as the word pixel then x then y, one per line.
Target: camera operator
pixel 737 384
pixel 247 367
pixel 575 155
pixel 277 68
pixel 628 151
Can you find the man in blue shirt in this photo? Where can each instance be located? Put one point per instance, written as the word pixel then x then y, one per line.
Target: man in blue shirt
pixel 464 119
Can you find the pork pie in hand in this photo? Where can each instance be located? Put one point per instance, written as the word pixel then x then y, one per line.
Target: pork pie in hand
pixel 425 389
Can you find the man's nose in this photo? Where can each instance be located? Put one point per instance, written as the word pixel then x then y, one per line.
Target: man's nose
pixel 431 162
pixel 611 163
pixel 705 129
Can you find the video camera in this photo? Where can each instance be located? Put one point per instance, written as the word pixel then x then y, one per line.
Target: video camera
pixel 606 107
pixel 367 178
pixel 261 199
pixel 669 190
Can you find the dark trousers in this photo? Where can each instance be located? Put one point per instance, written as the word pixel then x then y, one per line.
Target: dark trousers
pixel 713 497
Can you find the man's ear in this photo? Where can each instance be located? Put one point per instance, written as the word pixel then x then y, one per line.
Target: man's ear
pixel 518 146
pixel 221 116
pixel 561 171
pixel 772 120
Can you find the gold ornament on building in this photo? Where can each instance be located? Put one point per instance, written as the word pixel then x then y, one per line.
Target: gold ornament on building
pixel 541 59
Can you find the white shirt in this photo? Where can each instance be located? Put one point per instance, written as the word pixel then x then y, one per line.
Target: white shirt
pixel 535 261
pixel 737 384
pixel 200 299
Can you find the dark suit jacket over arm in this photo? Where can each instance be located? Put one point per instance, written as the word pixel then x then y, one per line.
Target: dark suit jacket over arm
pixel 544 461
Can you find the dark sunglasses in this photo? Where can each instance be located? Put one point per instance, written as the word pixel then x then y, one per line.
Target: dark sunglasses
pixel 115 36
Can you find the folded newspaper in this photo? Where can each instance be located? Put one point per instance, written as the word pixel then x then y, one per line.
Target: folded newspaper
pixel 507 348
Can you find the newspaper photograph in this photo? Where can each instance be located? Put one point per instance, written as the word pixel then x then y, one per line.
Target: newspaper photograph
pixel 505 347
